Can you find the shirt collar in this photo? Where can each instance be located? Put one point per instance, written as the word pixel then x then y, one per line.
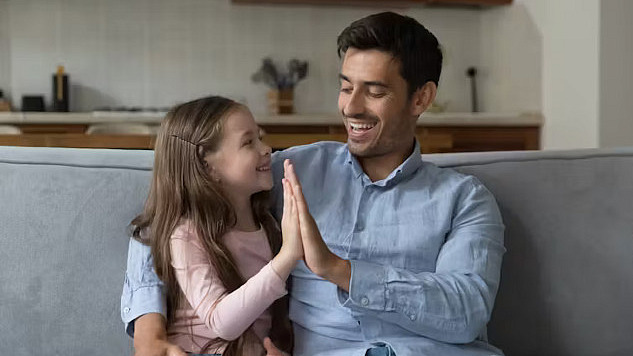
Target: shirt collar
pixel 407 168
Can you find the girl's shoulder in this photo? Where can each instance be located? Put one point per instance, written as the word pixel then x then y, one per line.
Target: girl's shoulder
pixel 185 231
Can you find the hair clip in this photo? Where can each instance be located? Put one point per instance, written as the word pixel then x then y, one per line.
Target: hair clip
pixel 182 139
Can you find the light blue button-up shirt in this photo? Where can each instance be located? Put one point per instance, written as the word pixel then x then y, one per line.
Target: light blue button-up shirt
pixel 425 246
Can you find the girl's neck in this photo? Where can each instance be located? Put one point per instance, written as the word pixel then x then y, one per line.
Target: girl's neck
pixel 245 220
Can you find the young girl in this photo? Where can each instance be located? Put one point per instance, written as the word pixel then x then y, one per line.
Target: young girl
pixel 211 235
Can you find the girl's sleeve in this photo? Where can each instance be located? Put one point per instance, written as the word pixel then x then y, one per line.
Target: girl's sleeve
pixel 228 315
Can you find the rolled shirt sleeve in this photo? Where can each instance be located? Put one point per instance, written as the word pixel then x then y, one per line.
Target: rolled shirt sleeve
pixel 452 304
pixel 143 292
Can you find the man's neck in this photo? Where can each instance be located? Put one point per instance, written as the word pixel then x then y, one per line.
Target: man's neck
pixel 379 167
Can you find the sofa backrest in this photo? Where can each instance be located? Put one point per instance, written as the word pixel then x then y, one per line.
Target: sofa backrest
pixel 63 247
pixel 567 278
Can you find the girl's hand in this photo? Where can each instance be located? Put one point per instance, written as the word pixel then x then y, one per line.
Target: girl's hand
pixel 318 257
pixel 292 247
pixel 271 349
pixel 290 230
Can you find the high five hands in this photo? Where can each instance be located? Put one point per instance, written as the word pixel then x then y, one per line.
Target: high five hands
pixel 301 237
pixel 317 256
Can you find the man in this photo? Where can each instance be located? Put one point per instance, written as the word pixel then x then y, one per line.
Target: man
pixel 410 256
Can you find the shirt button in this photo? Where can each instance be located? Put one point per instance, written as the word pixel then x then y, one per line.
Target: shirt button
pixel 364 301
pixel 126 310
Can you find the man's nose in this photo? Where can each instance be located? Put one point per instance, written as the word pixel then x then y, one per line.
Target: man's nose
pixel 355 105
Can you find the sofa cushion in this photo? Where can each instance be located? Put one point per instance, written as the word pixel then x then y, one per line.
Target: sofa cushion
pixel 567 277
pixel 63 247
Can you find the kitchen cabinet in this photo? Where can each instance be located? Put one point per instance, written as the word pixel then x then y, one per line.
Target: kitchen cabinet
pixel 433 139
pixel 436 132
pixel 79 140
pixel 399 3
pixel 469 2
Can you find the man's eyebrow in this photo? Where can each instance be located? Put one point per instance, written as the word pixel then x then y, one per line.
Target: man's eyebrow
pixel 369 83
pixel 376 84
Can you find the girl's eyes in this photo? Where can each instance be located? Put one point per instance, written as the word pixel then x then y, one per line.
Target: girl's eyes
pixel 346 90
pixel 251 141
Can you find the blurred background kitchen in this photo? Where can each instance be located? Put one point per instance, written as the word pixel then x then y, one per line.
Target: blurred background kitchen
pixel 557 72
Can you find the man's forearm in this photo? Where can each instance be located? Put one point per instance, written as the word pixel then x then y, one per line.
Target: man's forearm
pixel 449 307
pixel 149 329
pixel 339 273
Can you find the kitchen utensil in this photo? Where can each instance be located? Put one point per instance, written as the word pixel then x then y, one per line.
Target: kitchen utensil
pixel 472 73
pixel 60 90
pixel 33 103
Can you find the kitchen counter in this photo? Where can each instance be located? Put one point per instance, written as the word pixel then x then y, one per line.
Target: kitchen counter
pixel 436 132
pixel 154 118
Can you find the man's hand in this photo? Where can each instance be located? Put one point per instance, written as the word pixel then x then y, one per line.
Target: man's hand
pixel 159 348
pixel 271 349
pixel 150 337
pixel 318 257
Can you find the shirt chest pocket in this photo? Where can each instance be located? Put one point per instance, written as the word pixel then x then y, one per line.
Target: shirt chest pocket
pixel 406 245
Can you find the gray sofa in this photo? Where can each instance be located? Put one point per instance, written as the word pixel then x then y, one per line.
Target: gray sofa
pixel 567 279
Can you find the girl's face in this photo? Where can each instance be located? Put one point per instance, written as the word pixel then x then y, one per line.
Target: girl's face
pixel 242 161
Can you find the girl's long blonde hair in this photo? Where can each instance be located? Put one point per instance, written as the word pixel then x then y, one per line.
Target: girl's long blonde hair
pixel 182 188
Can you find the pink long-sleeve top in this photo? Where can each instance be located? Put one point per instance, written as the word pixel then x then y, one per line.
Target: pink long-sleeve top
pixel 209 311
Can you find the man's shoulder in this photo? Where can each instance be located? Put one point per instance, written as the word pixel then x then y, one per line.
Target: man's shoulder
pixel 450 175
pixel 325 150
pixel 448 179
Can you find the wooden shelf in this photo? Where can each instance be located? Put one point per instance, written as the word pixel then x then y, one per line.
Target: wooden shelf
pixel 433 138
pixel 79 140
pixel 391 3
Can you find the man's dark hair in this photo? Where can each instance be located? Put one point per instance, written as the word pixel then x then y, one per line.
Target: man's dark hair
pixel 404 38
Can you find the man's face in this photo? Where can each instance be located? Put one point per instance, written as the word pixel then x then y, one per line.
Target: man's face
pixel 374 103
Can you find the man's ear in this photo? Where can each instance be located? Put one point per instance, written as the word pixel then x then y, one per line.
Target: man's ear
pixel 423 98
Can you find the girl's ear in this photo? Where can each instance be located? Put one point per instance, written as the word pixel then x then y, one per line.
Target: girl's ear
pixel 423 98
pixel 211 171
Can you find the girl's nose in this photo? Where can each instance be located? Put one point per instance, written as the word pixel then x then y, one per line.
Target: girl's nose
pixel 266 149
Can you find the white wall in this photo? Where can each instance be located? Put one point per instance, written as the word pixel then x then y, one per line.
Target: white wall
pixel 153 53
pixel 5 64
pixel 616 73
pixel 511 60
pixel 570 86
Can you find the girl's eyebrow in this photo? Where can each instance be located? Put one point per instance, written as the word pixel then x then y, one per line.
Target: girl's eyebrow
pixel 251 133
